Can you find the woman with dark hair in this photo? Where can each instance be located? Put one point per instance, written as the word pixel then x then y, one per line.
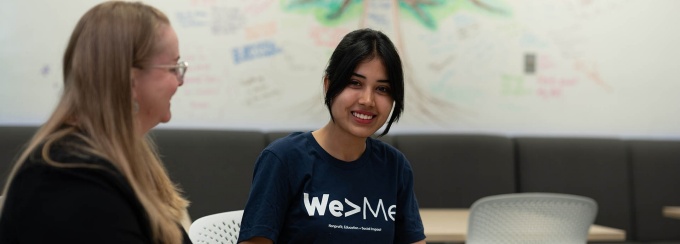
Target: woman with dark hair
pixel 90 174
pixel 337 184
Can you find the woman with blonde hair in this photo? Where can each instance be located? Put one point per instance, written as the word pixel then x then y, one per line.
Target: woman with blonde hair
pixel 90 174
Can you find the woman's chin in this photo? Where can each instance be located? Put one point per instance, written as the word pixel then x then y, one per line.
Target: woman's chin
pixel 166 118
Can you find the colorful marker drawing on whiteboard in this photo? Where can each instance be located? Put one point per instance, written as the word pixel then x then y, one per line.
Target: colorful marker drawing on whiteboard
pixel 427 12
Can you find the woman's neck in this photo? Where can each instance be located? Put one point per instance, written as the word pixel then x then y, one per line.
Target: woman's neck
pixel 339 143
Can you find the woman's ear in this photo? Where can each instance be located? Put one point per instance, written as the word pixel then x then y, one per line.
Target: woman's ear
pixel 134 77
pixel 326 83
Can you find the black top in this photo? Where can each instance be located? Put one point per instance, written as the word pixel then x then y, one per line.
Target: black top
pixel 47 204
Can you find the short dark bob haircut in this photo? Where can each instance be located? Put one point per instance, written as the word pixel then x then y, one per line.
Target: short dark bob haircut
pixel 356 47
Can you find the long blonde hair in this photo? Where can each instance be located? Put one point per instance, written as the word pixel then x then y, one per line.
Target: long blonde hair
pixel 97 106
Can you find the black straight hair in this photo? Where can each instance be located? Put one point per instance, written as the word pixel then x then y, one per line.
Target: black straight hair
pixel 359 46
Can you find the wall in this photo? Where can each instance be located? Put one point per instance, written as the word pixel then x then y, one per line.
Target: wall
pixel 571 67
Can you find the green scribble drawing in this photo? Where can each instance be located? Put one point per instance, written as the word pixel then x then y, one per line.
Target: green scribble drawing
pixel 431 12
pixel 427 12
pixel 327 12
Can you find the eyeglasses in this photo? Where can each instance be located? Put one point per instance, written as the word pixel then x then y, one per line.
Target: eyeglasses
pixel 179 69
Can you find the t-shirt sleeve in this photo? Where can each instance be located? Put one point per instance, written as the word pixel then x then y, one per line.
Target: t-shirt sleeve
pixel 73 206
pixel 269 199
pixel 409 226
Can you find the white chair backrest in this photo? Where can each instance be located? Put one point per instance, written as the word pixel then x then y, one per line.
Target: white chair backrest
pixel 216 228
pixel 531 218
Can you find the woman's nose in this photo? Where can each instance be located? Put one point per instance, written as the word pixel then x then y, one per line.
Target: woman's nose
pixel 367 97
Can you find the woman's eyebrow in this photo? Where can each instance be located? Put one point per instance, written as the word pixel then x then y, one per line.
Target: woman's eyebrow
pixel 382 81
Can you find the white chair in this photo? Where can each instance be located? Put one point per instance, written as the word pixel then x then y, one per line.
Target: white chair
pixel 216 228
pixel 531 218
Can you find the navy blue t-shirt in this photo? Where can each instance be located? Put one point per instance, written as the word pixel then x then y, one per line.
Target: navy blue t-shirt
pixel 301 194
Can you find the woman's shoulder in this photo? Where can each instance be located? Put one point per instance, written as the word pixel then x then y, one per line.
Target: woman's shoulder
pixel 76 185
pixel 68 152
pixel 90 198
pixel 295 147
pixel 69 159
pixel 380 146
pixel 292 140
pixel 389 154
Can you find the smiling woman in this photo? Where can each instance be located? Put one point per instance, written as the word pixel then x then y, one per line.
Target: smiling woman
pixel 153 87
pixel 90 174
pixel 296 176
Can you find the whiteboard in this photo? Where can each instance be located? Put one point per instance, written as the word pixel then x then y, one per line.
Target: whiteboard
pixel 512 67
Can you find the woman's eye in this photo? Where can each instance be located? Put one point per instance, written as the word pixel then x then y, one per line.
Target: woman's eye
pixel 384 89
pixel 354 83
